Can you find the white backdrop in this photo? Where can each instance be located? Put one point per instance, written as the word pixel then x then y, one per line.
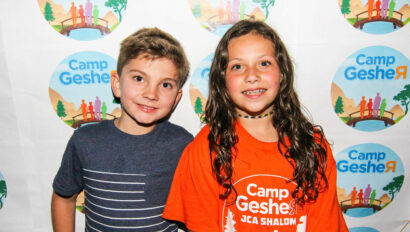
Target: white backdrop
pixel 33 138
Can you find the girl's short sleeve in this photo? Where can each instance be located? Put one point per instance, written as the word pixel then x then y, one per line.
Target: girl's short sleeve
pixel 194 195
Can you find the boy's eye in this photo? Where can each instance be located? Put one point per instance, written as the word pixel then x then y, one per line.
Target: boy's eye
pixel 166 85
pixel 138 78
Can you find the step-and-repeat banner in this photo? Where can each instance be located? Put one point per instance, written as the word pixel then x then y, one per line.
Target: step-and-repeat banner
pixel 351 59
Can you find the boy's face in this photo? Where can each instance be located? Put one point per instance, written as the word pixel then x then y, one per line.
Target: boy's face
pixel 148 90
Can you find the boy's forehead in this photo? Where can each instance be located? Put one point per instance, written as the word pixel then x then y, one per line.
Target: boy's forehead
pixel 148 63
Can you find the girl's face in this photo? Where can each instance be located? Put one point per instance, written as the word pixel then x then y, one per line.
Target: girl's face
pixel 252 74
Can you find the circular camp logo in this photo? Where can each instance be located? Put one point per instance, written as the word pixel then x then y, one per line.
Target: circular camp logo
pixel 198 88
pixel 3 191
pixel 362 229
pixel 83 19
pixel 79 203
pixel 370 90
pixel 218 16
pixel 376 16
pixel 80 89
pixel 369 178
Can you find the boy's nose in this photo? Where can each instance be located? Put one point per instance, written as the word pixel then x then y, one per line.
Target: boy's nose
pixel 151 93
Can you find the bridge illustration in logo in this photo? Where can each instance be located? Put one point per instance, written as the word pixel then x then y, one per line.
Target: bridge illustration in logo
pixel 396 19
pixel 219 20
pixel 353 119
pixel 347 204
pixel 67 26
pixel 78 120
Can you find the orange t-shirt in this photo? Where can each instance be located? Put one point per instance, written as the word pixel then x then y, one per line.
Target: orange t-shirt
pixel 264 192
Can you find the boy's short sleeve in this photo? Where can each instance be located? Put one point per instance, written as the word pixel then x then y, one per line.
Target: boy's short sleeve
pixel 68 180
pixel 325 214
pixel 194 194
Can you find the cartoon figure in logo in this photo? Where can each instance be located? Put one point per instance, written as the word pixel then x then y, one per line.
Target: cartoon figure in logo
pixel 81 13
pixel 369 108
pixel 73 11
pixel 95 15
pixel 385 6
pixel 382 107
pixel 367 192
pixel 88 12
pixel 221 11
pixel 370 8
pixel 228 11
pixel 362 107
pixel 84 110
pixel 97 108
pixel 104 110
pixel 378 3
pixel 353 196
pixel 360 195
pixel 376 105
pixel 391 8
pixel 91 109
pixel 301 227
pixel 372 197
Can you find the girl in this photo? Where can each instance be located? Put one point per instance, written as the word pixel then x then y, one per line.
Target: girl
pixel 259 164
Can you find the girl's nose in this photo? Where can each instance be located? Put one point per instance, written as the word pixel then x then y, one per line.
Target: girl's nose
pixel 252 75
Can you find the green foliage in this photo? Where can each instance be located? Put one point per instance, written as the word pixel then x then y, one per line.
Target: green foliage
pixel 198 106
pixel 60 109
pixel 265 4
pixel 339 106
pixel 118 6
pixel 345 7
pixel 404 98
pixel 394 186
pixel 48 12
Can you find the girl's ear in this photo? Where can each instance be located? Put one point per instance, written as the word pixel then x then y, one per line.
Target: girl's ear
pixel 115 84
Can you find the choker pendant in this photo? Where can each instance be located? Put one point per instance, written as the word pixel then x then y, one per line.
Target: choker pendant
pixel 256 116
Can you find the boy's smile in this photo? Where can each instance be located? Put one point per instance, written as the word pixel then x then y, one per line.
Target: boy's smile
pixel 148 89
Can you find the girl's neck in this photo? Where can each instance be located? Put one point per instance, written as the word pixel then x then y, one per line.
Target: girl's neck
pixel 260 128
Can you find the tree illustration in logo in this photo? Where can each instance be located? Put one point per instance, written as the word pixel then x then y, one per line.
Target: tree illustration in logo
pixel 60 109
pixel 48 13
pixel 265 4
pixel 339 106
pixel 404 98
pixel 394 186
pixel 230 223
pixel 198 106
pixel 118 6
pixel 345 7
pixel 3 192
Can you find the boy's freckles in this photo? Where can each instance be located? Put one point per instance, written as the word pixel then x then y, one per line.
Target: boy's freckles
pixel 149 91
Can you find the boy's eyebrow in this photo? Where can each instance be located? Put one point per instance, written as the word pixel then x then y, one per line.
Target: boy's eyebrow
pixel 175 79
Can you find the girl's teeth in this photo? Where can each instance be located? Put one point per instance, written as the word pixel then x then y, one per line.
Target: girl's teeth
pixel 253 92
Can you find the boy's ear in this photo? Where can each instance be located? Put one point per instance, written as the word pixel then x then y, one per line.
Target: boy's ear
pixel 178 97
pixel 115 84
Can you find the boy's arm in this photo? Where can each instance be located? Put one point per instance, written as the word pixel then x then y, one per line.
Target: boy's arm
pixel 63 213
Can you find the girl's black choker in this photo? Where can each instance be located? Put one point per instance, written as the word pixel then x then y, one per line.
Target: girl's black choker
pixel 256 116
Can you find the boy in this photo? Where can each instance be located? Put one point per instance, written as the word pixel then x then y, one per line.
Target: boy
pixel 125 166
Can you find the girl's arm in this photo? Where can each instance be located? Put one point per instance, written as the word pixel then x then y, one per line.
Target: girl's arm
pixel 63 213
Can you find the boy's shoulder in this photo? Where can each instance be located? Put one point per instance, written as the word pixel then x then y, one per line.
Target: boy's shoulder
pixel 94 129
pixel 171 131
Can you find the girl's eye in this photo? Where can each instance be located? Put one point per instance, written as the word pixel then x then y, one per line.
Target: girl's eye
pixel 265 63
pixel 236 67
pixel 138 78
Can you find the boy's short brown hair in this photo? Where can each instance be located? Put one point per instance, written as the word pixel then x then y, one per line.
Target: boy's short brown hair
pixel 154 43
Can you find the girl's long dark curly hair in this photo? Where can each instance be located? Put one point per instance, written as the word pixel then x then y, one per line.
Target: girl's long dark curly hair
pixel 299 141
